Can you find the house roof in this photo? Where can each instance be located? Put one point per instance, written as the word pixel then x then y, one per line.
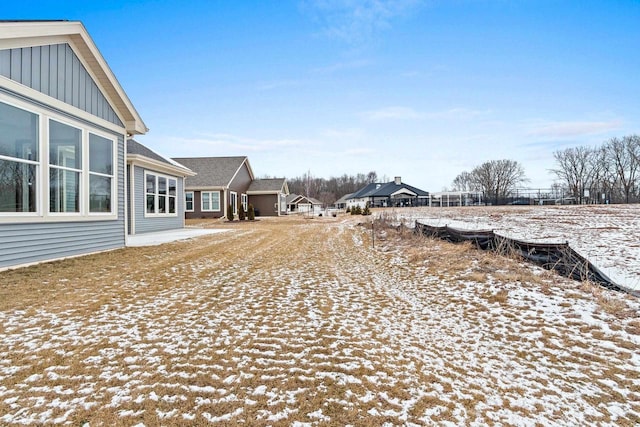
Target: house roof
pixel 343 199
pixel 386 190
pixel 17 34
pixel 138 153
pixel 297 198
pixel 213 171
pixel 268 185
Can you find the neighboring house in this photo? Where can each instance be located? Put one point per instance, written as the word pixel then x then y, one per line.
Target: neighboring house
pixel 341 203
pixel 269 196
pixel 220 182
pixel 64 120
pixel 390 194
pixel 303 204
pixel 155 190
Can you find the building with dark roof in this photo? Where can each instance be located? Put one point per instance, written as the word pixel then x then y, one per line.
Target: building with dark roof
pixel 390 194
pixel 227 181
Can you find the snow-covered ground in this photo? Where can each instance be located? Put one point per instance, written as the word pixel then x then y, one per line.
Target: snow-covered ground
pixel 607 235
pixel 304 324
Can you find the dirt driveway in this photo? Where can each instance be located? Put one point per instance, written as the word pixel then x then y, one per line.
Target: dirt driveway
pixel 301 322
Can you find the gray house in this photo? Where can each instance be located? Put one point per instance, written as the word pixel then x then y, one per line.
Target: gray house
pixel 269 196
pixel 64 122
pixel 155 190
pixel 220 182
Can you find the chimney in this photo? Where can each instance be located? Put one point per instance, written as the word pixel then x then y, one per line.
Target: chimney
pixel 398 180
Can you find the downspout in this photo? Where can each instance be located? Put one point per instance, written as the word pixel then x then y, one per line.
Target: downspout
pixel 126 187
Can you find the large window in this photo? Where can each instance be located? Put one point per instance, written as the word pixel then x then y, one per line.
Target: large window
pixel 65 167
pixel 161 194
pixel 188 201
pixel 64 171
pixel 210 201
pixel 243 198
pixel 19 160
pixel 100 173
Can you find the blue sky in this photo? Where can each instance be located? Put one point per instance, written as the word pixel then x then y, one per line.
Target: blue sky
pixel 418 89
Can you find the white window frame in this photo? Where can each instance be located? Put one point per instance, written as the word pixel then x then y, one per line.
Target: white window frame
pixel 112 176
pixel 244 199
pixel 37 163
pixel 157 195
pixel 202 197
pixel 233 200
pixel 186 203
pixel 42 210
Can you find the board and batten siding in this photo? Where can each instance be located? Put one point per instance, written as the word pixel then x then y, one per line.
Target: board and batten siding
pixel 26 243
pixel 56 70
pixel 147 224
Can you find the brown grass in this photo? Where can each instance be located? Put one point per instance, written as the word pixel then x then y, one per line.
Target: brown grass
pixel 289 316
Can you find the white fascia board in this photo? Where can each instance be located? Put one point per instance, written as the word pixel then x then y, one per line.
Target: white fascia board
pixel 143 161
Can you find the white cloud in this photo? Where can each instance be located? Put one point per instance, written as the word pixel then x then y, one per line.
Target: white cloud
pixel 407 113
pixel 356 21
pixel 393 113
pixel 572 129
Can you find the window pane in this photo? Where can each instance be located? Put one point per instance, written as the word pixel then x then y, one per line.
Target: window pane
pixel 18 133
pixel 151 184
pixel 205 201
pixel 17 187
pixel 172 187
pixel 65 145
pixel 162 204
pixel 172 205
pixel 64 191
pixel 162 185
pixel 215 201
pixel 188 199
pixel 99 194
pixel 151 203
pixel 100 154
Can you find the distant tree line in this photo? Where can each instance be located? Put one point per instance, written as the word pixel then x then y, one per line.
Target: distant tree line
pixel 611 169
pixel 496 179
pixel 331 189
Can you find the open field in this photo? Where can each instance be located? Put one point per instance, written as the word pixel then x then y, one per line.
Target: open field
pixel 607 235
pixel 301 322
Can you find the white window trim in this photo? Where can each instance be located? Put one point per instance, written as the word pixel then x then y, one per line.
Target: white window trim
pixel 202 203
pixel 144 191
pixel 193 201
pixel 233 196
pixel 244 199
pixel 113 176
pixel 42 213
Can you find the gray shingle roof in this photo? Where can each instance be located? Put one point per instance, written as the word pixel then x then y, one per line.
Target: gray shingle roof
pixel 211 171
pixel 384 190
pixel 268 184
pixel 134 147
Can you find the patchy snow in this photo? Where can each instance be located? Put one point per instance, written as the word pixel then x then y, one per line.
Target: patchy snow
pixel 332 332
pixel 607 235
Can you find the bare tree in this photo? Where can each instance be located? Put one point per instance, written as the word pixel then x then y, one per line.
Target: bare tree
pixel 498 178
pixel 622 154
pixel 575 168
pixel 464 182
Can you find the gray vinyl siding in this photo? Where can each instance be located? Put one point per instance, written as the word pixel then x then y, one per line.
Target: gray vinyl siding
pixel 24 243
pixel 55 70
pixel 144 224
